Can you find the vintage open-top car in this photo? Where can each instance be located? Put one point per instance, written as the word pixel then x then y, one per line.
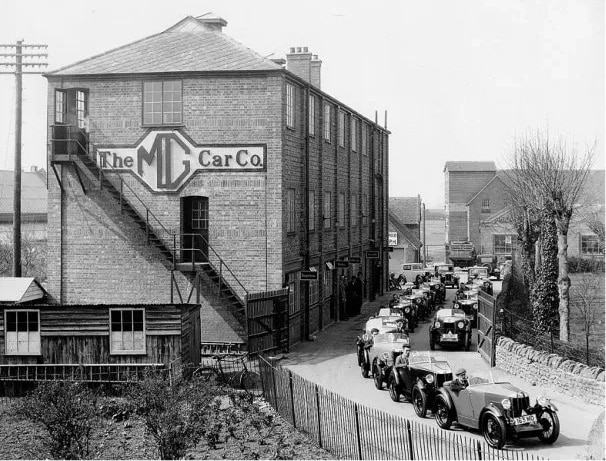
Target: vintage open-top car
pixel 447 275
pixel 438 289
pixel 467 301
pixel 388 318
pixel 419 380
pixel 499 410
pixel 450 327
pixel 382 355
pixel 409 308
pixel 421 298
pixel 478 275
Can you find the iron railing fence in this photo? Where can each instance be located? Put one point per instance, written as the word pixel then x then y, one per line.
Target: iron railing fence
pixel 520 329
pixel 349 430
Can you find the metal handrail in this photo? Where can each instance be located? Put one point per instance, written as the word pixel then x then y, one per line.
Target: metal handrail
pixel 87 150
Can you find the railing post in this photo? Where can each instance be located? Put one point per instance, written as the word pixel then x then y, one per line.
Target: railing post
pixel 220 275
pixel 292 399
pixel 319 419
pixel 174 250
pixel 121 193
pixel 146 223
pixel 358 431
pixel 409 431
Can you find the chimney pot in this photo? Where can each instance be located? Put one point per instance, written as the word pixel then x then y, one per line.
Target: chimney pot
pixel 292 50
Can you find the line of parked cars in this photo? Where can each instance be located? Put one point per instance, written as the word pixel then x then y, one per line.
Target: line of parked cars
pixel 499 410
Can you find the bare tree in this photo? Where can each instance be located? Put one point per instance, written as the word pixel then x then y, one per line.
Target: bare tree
pixel 556 175
pixel 586 296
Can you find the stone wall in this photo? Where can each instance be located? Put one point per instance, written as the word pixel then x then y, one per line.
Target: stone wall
pixel 551 371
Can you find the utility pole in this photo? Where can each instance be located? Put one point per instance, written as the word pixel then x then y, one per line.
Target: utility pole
pixel 14 59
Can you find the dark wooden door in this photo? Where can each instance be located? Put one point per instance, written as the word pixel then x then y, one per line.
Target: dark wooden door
pixel 195 229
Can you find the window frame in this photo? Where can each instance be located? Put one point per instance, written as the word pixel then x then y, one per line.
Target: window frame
pixel 311 129
pixel 327 122
pixel 504 248
pixel 33 337
pixel 133 351
pixel 290 106
pixel 290 211
pixel 327 207
pixel 63 111
pixel 314 288
pixel 592 239
pixel 81 108
pixel 354 210
pixel 152 123
pixel 354 134
pixel 486 205
pixel 293 281
pixel 327 280
pixel 311 211
pixel 341 128
pixel 364 142
pixel 341 210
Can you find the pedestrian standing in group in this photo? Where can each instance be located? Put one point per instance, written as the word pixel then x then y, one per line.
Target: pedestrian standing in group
pixel 359 288
pixel 343 298
pixel 351 296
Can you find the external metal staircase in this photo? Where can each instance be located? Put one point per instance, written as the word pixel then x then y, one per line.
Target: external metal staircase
pixel 208 274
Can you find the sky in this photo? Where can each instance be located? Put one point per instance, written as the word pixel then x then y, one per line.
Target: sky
pixel 453 80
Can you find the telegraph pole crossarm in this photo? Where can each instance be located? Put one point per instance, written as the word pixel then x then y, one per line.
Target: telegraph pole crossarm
pixel 14 62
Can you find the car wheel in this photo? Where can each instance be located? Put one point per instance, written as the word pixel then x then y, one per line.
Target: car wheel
pixel 551 426
pixel 443 414
pixel 432 344
pixel 365 367
pixel 376 375
pixel 394 389
pixel 494 431
pixel 419 401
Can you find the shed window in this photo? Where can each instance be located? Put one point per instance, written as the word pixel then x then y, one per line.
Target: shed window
pixel 162 103
pixel 127 331
pixel 22 332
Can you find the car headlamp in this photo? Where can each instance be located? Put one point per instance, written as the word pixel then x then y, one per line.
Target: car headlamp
pixel 461 324
pixel 546 402
pixel 506 404
pixel 429 378
pixel 385 355
pixel 457 305
pixel 407 310
pixel 437 324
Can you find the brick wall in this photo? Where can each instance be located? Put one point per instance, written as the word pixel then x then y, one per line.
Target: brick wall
pixel 551 371
pixel 495 194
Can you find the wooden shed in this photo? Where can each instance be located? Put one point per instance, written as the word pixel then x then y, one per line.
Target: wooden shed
pixel 20 290
pixel 99 334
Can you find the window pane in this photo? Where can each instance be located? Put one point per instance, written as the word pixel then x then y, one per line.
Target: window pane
pixel 33 321
pixel 11 321
pixel 21 321
pixel 138 320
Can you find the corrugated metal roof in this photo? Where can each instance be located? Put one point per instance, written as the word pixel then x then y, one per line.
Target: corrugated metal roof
pixel 20 289
pixel 470 166
pixel 33 193
pixel 406 209
pixel 188 46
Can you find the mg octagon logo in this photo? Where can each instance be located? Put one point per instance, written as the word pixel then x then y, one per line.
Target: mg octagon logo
pixel 165 160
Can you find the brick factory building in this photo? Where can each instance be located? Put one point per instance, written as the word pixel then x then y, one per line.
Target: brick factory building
pixel 187 162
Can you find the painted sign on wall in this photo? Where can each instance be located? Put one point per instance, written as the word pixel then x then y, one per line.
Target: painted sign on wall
pixel 166 159
pixel 393 239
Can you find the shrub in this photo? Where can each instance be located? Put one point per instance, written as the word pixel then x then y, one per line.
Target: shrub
pixel 67 410
pixel 576 265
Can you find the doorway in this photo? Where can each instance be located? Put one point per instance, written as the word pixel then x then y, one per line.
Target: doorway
pixel 194 223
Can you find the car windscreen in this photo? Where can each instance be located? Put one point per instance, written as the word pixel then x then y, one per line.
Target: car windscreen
pixel 391 338
pixel 450 313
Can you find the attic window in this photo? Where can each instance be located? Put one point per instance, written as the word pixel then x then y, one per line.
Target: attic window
pixel 486 205
pixel 162 103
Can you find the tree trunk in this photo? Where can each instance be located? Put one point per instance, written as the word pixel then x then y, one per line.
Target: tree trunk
pixel 563 280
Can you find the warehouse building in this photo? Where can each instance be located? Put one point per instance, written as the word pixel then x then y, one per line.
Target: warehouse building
pixel 186 167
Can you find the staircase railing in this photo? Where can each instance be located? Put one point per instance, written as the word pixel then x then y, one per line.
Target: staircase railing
pixel 80 137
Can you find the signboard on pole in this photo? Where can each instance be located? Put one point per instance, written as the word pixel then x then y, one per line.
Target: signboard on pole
pixel 372 254
pixel 309 276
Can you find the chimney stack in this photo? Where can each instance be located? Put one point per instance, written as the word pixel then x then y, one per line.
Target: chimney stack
pixel 301 63
pixel 212 21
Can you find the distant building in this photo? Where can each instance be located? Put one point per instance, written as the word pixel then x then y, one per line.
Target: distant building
pixel 435 235
pixel 33 204
pixel 405 233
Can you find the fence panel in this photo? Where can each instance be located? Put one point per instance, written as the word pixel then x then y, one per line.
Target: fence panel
pixel 352 431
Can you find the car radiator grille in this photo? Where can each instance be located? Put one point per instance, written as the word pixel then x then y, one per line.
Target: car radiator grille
pixel 441 379
pixel 449 326
pixel 518 404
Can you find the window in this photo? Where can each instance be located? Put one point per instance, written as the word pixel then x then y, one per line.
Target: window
pixel 162 103
pixel 126 331
pixel 81 107
pixel 327 280
pixel 290 105
pixel 292 280
pixel 354 134
pixel 354 210
pixel 312 210
pixel 60 106
pixel 290 210
pixel 327 209
pixel 590 245
pixel 199 215
pixel 364 139
pixel 327 122
pixel 341 210
pixel 365 211
pixel 503 244
pixel 22 332
pixel 341 128
pixel 312 115
pixel 314 289
pixel 486 205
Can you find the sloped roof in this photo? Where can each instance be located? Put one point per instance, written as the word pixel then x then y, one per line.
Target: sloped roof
pixel 470 166
pixel 402 229
pixel 406 209
pixel 33 192
pixel 188 46
pixel 486 186
pixel 20 290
